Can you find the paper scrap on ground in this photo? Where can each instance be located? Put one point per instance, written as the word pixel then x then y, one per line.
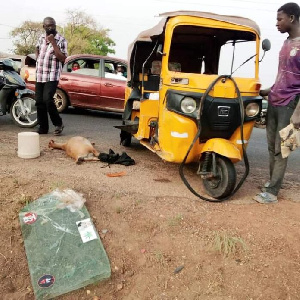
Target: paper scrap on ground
pixel 86 230
pixel 119 174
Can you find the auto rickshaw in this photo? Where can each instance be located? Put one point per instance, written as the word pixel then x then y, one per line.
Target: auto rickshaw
pixel 193 94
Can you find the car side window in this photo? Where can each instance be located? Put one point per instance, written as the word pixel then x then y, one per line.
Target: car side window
pixel 111 70
pixel 84 66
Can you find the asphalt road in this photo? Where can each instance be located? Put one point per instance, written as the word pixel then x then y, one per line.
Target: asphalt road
pixel 99 128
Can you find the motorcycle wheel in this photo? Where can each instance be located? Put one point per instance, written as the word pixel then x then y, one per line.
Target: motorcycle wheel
pixel 223 184
pixel 27 119
pixel 260 123
pixel 61 101
pixel 263 121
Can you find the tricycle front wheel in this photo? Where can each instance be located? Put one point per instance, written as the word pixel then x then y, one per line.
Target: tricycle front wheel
pixel 221 185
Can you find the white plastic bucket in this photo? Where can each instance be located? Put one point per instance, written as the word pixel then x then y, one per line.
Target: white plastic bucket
pixel 28 145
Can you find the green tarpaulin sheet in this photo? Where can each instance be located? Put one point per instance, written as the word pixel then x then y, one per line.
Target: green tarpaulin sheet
pixel 63 249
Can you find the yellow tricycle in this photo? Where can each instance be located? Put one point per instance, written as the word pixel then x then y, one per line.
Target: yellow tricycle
pixel 193 94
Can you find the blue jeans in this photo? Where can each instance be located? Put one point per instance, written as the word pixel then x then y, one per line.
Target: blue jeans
pixel 277 118
pixel 44 97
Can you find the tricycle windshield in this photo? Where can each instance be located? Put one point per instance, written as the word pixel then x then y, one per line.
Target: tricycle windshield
pixel 203 50
pixel 232 57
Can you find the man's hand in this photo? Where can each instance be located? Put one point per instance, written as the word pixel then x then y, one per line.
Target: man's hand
pixel 51 38
pixel 264 93
pixel 295 119
pixel 60 56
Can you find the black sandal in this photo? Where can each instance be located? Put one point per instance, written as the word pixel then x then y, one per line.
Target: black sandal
pixel 58 129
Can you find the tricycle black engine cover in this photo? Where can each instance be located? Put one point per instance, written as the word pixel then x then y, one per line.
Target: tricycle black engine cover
pixel 220 118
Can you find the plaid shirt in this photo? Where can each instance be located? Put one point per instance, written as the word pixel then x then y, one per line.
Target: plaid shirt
pixel 48 67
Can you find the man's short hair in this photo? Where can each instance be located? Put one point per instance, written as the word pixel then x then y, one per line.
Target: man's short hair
pixel 291 9
pixel 49 19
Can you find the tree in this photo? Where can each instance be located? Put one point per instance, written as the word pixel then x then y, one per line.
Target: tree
pixel 25 37
pixel 82 33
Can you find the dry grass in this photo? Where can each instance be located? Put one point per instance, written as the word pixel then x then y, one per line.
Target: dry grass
pixel 227 244
pixel 176 220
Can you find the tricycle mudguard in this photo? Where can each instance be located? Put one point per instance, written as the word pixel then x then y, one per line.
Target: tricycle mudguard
pixel 222 147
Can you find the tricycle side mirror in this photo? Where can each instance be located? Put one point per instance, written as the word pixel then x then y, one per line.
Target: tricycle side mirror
pixel 159 51
pixel 266 45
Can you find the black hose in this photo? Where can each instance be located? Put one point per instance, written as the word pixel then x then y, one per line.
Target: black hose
pixel 198 135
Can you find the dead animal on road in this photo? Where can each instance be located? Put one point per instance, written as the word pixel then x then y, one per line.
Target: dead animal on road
pixel 77 147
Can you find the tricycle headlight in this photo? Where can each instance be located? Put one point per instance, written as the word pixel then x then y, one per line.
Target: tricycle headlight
pixel 252 109
pixel 188 105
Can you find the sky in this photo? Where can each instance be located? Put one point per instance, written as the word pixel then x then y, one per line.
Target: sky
pixel 126 19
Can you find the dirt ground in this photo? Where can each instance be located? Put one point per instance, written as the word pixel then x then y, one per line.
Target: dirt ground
pixel 162 242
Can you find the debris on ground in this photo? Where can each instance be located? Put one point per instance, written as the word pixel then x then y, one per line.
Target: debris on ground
pixel 63 249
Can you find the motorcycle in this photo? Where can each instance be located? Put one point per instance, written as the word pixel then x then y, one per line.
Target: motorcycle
pixel 15 98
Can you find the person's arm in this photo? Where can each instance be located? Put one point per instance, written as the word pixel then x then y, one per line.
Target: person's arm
pixel 60 56
pixel 265 93
pixel 37 52
pixel 37 49
pixel 295 119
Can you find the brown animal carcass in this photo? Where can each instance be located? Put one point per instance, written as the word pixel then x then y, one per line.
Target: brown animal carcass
pixel 78 147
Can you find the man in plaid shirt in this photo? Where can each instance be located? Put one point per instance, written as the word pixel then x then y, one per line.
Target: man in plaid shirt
pixel 51 52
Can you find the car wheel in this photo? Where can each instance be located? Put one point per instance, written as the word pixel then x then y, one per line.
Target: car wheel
pixel 61 101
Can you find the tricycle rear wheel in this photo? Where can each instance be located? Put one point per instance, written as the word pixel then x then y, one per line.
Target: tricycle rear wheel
pixel 125 138
pixel 221 185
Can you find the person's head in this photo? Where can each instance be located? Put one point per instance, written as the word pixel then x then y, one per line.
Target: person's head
pixel 49 25
pixel 288 17
pixel 75 66
pixel 120 69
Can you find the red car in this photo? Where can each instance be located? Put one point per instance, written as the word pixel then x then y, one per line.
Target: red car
pixel 91 81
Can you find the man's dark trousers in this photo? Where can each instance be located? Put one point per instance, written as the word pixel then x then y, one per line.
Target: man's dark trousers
pixel 278 117
pixel 44 97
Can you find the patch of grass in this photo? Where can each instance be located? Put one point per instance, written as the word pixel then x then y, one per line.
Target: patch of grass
pixel 137 202
pixel 118 196
pixel 176 220
pixel 25 199
pixel 118 210
pixel 159 257
pixel 227 244
pixel 56 185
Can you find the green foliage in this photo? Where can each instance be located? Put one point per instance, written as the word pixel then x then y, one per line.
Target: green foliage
pixel 81 32
pixel 25 37
pixel 84 35
pixel 100 45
